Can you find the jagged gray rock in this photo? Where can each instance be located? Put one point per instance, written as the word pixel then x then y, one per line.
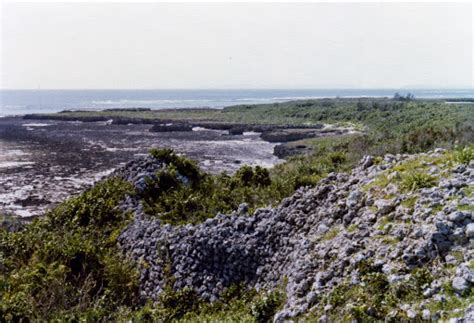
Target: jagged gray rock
pixel 470 230
pixel 313 240
pixel 460 285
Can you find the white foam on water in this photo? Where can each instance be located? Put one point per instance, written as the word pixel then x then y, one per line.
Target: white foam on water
pixel 102 174
pixel 23 213
pixel 35 124
pixel 12 152
pixel 250 133
pixel 210 130
pixel 114 149
pixel 13 195
pixel 12 164
pixel 199 129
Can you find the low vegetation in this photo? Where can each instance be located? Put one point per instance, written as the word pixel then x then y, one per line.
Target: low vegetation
pixel 66 265
pixel 182 193
pixel 416 180
pixel 374 299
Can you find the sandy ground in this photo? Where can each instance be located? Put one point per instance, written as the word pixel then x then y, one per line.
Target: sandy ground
pixel 43 163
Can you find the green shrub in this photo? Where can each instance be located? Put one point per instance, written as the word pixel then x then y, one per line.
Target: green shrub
pixel 236 304
pixel 464 155
pixel 416 180
pixel 66 265
pixel 176 199
pixel 374 298
pixel 337 158
pixel 263 309
pixel 245 175
pixel 175 304
pixel 261 177
pixel 186 167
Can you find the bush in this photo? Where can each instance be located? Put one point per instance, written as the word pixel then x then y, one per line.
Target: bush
pixel 375 297
pixel 177 199
pixel 416 180
pixel 174 305
pixel 464 155
pixel 186 167
pixel 263 309
pixel 236 304
pixel 245 175
pixel 66 265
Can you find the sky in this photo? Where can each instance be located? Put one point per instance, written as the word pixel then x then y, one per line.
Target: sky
pixel 232 46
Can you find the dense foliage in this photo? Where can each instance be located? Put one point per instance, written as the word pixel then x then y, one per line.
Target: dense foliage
pixel 66 265
pixel 181 193
pixel 237 304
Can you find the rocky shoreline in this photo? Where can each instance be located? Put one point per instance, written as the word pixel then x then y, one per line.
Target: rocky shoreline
pixel 274 133
pixel 43 163
pixel 282 134
pixel 61 155
pixel 318 239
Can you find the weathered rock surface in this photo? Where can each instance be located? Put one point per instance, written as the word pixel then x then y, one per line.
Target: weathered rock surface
pixel 314 239
pixel 170 127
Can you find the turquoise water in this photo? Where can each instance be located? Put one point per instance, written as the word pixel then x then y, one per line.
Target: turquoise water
pixel 15 102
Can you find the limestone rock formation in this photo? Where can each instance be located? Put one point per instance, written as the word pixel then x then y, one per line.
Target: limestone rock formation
pixel 384 213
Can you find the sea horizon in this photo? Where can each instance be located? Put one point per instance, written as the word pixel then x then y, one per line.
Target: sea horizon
pixel 26 101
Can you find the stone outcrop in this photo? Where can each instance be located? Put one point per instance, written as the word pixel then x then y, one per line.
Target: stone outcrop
pixel 171 127
pixel 315 239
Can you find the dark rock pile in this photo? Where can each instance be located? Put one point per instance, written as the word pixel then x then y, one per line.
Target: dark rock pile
pixel 170 127
pixel 315 239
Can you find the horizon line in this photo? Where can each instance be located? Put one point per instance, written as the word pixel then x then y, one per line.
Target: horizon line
pixel 236 89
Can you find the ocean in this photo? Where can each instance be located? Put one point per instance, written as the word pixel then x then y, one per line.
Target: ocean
pixel 18 102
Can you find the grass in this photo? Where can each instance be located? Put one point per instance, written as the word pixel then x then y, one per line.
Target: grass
pixel 330 234
pixel 389 240
pixel 379 182
pixel 458 255
pixel 466 207
pixel 453 302
pixel 437 208
pixel 409 202
pixel 383 222
pixel 413 181
pixel 468 191
pixel 374 298
pixel 412 175
pixel 464 155
pixel 237 304
pixel 352 228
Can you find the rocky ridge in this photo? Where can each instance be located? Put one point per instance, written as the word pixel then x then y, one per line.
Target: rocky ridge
pixel 319 238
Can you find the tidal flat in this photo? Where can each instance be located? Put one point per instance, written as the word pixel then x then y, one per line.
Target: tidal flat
pixel 44 162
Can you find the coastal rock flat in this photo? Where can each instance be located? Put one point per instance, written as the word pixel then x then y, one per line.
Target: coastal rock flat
pixel 320 238
pixel 44 162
